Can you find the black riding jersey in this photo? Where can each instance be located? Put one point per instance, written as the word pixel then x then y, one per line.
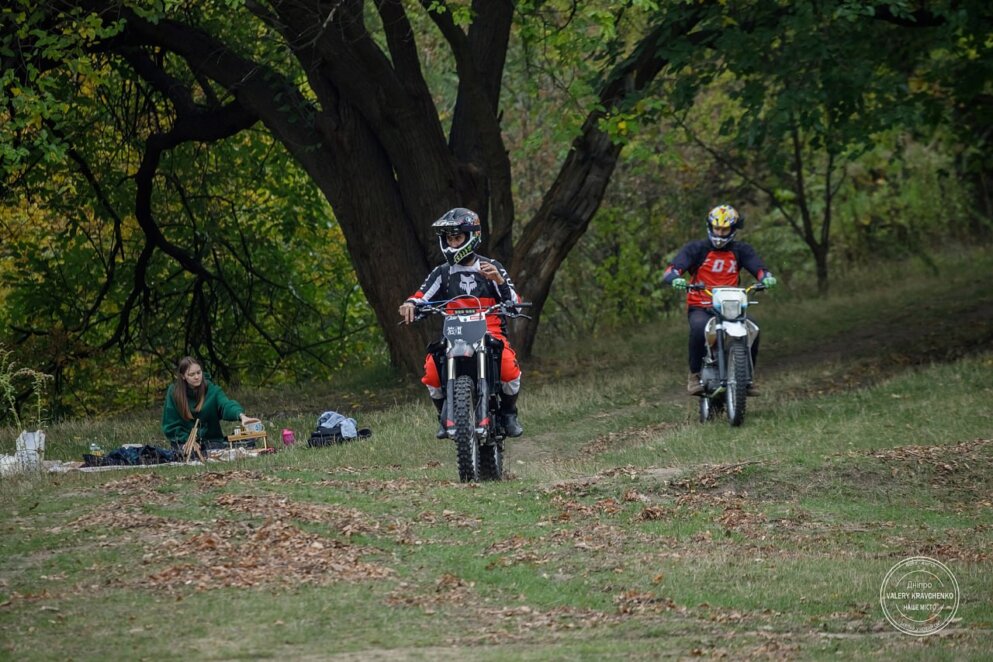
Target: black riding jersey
pixel 466 287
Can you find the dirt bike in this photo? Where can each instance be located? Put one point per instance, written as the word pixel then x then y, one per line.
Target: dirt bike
pixel 727 362
pixel 469 364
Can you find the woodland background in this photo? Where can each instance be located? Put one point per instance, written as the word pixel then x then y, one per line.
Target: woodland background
pixel 252 182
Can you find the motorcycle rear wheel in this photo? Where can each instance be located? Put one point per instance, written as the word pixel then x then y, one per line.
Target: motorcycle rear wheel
pixel 737 390
pixel 710 408
pixel 464 415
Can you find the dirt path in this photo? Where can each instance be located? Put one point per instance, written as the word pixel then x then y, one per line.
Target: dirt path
pixel 941 329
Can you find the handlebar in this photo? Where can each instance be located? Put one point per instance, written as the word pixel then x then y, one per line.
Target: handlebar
pixel 754 287
pixel 423 310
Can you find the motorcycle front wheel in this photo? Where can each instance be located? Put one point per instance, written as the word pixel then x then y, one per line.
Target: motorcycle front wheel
pixel 464 415
pixel 737 381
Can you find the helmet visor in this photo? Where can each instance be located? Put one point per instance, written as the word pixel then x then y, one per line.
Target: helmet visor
pixel 448 230
pixel 454 239
pixel 719 241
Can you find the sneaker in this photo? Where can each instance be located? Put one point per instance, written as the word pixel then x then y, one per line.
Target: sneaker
pixel 693 384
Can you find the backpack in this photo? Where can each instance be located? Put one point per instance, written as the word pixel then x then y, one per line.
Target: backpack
pixel 333 428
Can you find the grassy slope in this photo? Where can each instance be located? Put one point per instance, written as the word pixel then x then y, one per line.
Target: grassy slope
pixel 627 530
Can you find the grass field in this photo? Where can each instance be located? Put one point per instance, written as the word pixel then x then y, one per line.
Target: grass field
pixel 626 530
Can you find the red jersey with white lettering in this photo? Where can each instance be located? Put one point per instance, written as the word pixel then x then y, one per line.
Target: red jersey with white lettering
pixel 704 264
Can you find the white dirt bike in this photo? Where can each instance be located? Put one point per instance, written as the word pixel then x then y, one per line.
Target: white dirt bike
pixel 727 362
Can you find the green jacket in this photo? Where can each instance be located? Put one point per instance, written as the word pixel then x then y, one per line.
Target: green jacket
pixel 217 407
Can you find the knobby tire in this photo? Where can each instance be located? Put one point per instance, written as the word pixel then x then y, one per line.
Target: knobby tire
pixel 464 415
pixel 737 390
pixel 491 461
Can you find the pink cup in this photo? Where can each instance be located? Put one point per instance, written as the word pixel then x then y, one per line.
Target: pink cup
pixel 288 437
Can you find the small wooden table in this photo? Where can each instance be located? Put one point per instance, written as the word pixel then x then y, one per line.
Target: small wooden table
pixel 247 436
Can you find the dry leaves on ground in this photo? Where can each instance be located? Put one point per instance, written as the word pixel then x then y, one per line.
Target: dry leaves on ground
pixel 218 479
pixel 235 554
pixel 571 509
pixel 654 513
pixel 448 590
pixel 946 458
pixel 346 521
pixel 637 436
pixel 394 486
pixel 139 482
pixel 639 602
pixel 709 476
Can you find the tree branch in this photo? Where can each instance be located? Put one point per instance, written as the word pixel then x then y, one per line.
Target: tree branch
pixel 748 179
pixel 172 89
pixel 801 189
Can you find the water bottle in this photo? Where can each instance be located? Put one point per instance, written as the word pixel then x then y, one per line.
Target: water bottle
pixel 95 449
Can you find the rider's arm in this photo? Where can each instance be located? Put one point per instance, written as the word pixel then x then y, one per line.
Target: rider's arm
pixel 671 274
pixel 432 289
pixel 688 259
pixel 751 261
pixel 506 289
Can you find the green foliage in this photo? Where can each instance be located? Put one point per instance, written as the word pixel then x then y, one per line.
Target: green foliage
pixel 860 93
pixel 461 12
pixel 902 199
pixel 612 278
pixel 247 210
pixel 31 106
pixel 283 300
pixel 16 383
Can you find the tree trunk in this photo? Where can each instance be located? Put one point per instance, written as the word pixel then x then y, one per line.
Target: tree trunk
pixel 560 222
pixel 371 139
pixel 821 264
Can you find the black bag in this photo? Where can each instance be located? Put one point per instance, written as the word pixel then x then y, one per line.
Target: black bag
pixel 131 456
pixel 326 437
pixel 331 436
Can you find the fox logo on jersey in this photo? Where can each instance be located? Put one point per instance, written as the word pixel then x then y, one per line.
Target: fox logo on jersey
pixel 467 283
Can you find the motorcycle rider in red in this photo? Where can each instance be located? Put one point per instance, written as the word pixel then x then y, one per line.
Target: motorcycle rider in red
pixel 465 272
pixel 714 262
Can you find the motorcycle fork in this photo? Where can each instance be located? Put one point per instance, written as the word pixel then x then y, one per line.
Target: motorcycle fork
pixel 722 369
pixel 483 394
pixel 449 389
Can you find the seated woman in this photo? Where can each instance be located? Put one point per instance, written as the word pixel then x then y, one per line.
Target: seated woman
pixel 193 397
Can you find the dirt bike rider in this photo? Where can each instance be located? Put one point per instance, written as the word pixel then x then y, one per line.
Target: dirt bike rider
pixel 464 271
pixel 714 262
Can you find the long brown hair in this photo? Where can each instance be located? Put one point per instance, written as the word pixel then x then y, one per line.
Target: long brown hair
pixel 179 390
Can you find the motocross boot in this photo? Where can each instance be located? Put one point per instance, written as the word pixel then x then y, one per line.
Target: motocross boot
pixel 693 384
pixel 508 415
pixel 439 404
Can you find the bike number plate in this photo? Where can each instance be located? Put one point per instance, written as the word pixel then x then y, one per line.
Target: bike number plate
pixel 470 329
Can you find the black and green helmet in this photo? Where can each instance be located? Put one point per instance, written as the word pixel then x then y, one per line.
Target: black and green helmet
pixel 458 221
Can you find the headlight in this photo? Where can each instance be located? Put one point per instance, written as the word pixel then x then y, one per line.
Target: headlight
pixel 460 348
pixel 731 309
